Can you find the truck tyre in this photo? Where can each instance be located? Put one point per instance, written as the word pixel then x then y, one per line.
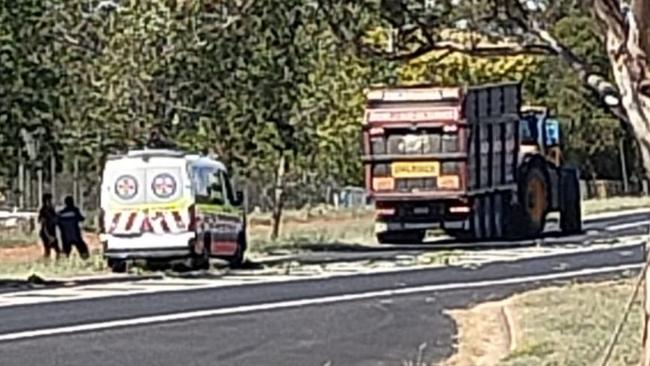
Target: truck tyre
pixel 570 203
pixel 498 215
pixel 117 265
pixel 488 216
pixel 477 220
pixel 402 237
pixel 534 200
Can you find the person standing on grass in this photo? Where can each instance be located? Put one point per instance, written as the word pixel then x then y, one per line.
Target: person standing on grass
pixel 69 220
pixel 47 221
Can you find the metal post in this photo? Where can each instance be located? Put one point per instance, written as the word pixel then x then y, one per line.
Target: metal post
pixel 28 187
pixel 623 165
pixel 39 175
pixel 53 177
pixel 75 175
pixel 645 355
pixel 21 184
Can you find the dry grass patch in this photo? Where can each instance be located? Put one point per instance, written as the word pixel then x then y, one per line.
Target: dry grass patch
pixel 344 227
pixel 595 206
pixel 567 325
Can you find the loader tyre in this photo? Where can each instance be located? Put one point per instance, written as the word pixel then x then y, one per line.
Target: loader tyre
pixel 570 203
pixel 534 200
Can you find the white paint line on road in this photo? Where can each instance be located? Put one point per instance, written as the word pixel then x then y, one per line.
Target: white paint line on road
pixel 627 226
pixel 614 213
pixel 156 319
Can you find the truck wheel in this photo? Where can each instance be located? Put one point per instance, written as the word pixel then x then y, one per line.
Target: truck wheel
pixel 498 215
pixel 475 226
pixel 117 265
pixel 534 201
pixel 570 203
pixel 488 217
pixel 402 237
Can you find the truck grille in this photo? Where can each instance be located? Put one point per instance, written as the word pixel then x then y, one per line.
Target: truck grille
pixel 430 143
pixel 410 184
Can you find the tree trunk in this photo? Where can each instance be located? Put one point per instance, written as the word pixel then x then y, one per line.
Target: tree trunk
pixel 278 197
pixel 628 43
pixel 627 49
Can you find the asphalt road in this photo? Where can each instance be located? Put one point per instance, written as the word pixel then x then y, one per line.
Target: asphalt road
pixel 369 319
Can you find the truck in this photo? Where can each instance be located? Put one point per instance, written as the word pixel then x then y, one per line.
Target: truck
pixel 471 161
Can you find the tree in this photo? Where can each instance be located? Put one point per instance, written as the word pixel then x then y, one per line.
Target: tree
pixel 514 27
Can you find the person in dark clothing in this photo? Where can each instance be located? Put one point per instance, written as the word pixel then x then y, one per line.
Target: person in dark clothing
pixel 47 221
pixel 69 220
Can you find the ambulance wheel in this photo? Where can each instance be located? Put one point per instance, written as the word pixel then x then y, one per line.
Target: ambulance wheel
pixel 117 265
pixel 200 258
pixel 237 259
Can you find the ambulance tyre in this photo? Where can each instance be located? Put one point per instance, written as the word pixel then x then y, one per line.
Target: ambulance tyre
pixel 117 265
pixel 237 259
pixel 201 260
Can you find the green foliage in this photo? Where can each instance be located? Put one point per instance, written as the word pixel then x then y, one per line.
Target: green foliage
pixel 255 80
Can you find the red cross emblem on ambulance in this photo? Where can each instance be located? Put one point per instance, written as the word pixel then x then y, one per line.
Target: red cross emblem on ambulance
pixel 164 185
pixel 126 187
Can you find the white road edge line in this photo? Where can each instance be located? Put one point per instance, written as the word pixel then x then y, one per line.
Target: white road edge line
pixel 305 302
pixel 626 226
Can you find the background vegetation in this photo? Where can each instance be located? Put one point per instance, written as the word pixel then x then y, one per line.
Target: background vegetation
pixel 266 84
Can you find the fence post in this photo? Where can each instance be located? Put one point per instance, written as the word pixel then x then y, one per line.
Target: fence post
pixel 21 184
pixel 75 179
pixel 53 177
pixel 39 174
pixel 623 166
pixel 28 187
pixel 645 355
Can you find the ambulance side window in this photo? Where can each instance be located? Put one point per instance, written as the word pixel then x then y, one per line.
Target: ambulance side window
pixel 201 181
pixel 215 188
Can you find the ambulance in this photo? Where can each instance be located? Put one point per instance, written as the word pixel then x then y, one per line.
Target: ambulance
pixel 167 205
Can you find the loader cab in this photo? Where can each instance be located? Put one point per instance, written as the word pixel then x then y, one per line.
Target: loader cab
pixel 540 134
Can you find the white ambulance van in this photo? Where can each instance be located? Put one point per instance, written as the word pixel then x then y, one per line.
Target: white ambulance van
pixel 168 205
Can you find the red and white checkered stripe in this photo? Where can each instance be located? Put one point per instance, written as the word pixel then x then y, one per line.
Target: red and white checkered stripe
pixel 162 222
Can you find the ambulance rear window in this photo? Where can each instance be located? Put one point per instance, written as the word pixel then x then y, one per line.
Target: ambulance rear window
pixel 159 182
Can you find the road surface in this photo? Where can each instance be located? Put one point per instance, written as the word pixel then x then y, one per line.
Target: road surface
pixel 361 319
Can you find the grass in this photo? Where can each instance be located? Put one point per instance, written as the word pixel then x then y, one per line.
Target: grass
pixel 13 238
pixel 595 206
pixel 316 232
pixel 64 267
pixel 571 325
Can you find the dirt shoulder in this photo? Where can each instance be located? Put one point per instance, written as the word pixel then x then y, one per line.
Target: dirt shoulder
pixel 485 335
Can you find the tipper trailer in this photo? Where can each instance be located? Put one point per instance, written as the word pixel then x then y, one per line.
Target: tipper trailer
pixel 470 161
